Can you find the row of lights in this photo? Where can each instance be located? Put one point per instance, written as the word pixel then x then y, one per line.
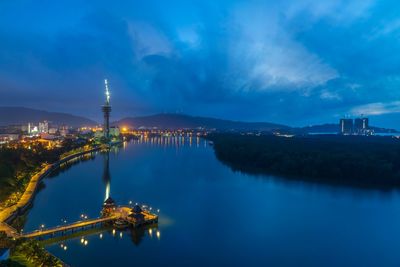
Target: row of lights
pixel 143 206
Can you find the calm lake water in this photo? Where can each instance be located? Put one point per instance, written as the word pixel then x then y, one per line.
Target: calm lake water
pixel 212 216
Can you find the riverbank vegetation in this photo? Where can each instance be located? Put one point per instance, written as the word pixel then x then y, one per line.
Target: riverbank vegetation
pixel 19 162
pixel 356 160
pixel 27 252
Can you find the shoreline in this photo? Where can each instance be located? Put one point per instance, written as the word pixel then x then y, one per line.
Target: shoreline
pixel 10 213
pixel 371 162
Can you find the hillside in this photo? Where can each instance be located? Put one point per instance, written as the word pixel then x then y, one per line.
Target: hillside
pixel 179 121
pixel 21 115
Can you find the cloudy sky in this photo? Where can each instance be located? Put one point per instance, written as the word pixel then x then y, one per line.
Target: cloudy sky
pixel 297 62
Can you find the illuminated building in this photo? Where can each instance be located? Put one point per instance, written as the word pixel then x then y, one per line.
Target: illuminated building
pixel 137 214
pixel 53 130
pixel 346 126
pixel 44 127
pixel 114 131
pixel 358 126
pixel 64 131
pixel 361 125
pixel 34 130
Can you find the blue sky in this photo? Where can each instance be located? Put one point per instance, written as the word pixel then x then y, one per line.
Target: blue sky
pixel 295 62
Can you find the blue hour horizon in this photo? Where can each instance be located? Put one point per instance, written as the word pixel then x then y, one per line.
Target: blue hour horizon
pixel 294 62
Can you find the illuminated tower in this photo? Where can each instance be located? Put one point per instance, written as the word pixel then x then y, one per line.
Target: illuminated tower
pixel 106 108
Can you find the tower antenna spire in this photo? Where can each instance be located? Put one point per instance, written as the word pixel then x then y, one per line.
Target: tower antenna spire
pixel 107 92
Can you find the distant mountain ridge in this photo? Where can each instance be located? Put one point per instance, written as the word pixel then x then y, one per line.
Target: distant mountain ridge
pixel 180 121
pixel 21 115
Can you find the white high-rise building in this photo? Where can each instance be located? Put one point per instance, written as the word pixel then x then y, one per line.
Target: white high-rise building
pixel 44 127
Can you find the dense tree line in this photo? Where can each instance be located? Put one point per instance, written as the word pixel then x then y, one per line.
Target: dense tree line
pixel 369 161
pixel 18 162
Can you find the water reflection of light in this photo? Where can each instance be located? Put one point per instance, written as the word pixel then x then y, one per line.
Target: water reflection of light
pixel 158 234
pixel 86 242
pixel 101 236
pixel 107 190
pixel 107 175
pixel 150 232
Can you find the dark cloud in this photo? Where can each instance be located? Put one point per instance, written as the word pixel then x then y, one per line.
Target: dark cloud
pixel 296 62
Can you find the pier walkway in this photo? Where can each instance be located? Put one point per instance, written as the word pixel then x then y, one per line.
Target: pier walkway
pixel 68 227
pixel 121 214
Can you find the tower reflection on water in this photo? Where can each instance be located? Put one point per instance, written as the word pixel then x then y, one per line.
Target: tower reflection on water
pixel 136 234
pixel 106 173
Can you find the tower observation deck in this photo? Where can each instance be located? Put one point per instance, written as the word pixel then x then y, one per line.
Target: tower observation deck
pixel 106 108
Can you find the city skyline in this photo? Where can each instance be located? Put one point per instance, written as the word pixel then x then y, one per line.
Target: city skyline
pixel 293 62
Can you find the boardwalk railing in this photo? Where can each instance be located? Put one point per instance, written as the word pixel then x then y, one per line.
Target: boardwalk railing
pixel 67 227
